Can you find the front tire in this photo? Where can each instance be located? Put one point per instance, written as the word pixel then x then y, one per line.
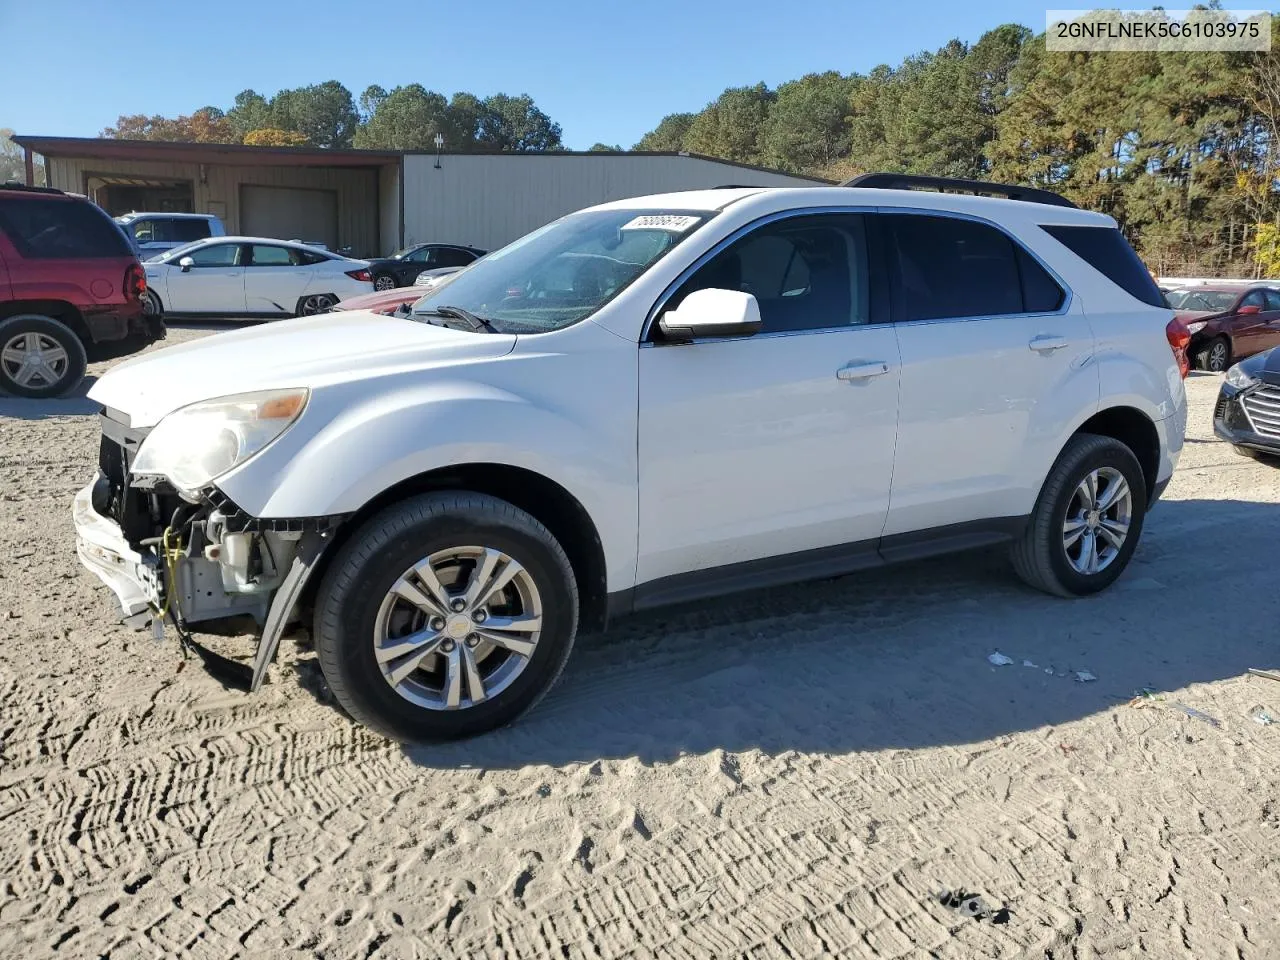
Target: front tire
pixel 445 616
pixel 384 281
pixel 1086 521
pixel 151 305
pixel 40 357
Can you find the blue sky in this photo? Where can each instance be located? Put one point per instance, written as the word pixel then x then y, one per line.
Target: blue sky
pixel 607 70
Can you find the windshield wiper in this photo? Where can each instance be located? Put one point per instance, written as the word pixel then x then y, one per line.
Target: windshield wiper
pixel 457 313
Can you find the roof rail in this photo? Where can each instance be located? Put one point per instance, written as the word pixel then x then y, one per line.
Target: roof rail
pixel 911 181
pixel 19 185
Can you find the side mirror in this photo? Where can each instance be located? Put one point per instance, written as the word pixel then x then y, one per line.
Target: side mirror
pixel 186 263
pixel 711 313
pixel 1249 310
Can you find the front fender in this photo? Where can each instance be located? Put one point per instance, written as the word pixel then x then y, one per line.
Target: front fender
pixel 369 441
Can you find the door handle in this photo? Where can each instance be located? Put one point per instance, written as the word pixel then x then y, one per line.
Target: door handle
pixel 862 370
pixel 1048 343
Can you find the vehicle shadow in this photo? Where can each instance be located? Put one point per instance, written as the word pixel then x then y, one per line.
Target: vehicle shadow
pixel 897 658
pixel 74 405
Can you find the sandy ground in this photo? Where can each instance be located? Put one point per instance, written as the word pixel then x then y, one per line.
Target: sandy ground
pixel 789 774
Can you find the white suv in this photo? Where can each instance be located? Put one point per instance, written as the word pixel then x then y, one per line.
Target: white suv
pixel 649 401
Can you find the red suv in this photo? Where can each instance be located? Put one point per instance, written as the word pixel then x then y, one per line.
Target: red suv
pixel 71 291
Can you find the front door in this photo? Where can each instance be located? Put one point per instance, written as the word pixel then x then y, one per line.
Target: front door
pixel 774 445
pixel 995 366
pixel 213 284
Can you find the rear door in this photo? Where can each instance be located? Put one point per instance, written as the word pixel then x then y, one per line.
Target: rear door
pixel 214 284
pixel 274 279
pixel 6 292
pixel 995 362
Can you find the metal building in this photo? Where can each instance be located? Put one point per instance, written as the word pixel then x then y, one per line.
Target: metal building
pixel 486 200
pixel 371 201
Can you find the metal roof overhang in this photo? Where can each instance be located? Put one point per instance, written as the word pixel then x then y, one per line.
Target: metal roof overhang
pixel 233 154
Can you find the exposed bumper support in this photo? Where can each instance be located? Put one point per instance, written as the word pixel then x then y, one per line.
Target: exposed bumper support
pixel 310 548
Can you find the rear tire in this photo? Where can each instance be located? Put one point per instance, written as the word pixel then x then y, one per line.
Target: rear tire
pixel 316 303
pixel 40 356
pixel 393 641
pixel 1214 356
pixel 1046 556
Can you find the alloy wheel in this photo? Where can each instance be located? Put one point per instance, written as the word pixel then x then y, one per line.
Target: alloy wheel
pixel 34 359
pixel 457 628
pixel 384 283
pixel 317 303
pixel 1218 357
pixel 1097 520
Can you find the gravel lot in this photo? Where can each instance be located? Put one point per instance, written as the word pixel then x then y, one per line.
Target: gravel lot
pixel 792 773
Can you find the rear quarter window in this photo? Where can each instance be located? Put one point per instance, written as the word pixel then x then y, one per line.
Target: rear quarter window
pixel 45 228
pixel 1107 251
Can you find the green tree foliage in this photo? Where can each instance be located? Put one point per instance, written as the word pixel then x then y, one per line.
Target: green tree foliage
pixel 730 126
pixel 806 127
pixel 516 123
pixel 669 135
pixel 605 148
pixel 324 113
pixel 407 118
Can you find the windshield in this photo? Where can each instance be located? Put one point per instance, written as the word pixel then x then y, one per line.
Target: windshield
pixel 1201 299
pixel 563 272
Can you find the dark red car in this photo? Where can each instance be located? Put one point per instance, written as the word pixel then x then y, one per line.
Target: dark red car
pixel 1228 322
pixel 71 291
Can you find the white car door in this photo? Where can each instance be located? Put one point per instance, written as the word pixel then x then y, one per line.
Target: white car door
pixel 214 283
pixel 776 445
pixel 275 278
pixel 996 365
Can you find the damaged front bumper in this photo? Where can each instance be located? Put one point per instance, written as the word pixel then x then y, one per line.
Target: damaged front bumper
pixel 218 573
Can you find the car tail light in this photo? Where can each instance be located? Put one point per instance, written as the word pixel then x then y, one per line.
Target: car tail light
pixel 362 275
pixel 1179 339
pixel 135 282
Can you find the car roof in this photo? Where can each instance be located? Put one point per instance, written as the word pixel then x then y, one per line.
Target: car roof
pixel 770 199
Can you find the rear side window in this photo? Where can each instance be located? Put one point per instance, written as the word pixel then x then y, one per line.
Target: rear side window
pixel 1273 299
pixel 450 257
pixel 1040 292
pixel 1106 250
pixel 44 228
pixel 944 267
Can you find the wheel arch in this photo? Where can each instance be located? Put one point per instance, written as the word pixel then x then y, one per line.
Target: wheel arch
pixel 1136 431
pixel 60 310
pixel 541 497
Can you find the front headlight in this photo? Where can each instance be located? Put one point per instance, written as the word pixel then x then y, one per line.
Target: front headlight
pixel 195 444
pixel 1197 326
pixel 1239 379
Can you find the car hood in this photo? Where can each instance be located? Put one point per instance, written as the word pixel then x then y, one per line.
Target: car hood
pixel 305 352
pixel 380 300
pixel 1187 316
pixel 1270 369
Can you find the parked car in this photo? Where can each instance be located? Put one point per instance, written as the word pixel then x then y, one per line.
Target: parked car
pixel 430 278
pixel 1247 414
pixel 251 277
pixel 1228 321
pixel 70 291
pixel 654 400
pixel 390 302
pixel 402 267
pixel 153 233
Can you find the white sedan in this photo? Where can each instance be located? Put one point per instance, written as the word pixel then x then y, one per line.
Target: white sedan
pixel 251 277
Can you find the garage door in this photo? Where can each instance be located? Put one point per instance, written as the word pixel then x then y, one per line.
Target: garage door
pixel 288 213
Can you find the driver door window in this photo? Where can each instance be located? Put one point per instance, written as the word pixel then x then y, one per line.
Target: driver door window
pixel 217 255
pixel 807 273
